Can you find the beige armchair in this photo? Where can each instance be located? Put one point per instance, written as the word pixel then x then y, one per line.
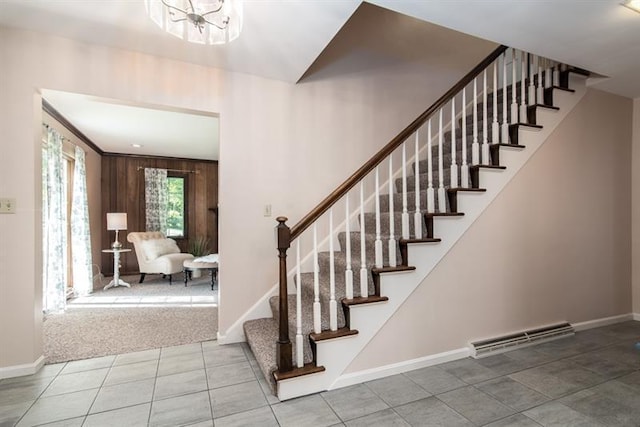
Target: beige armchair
pixel 156 254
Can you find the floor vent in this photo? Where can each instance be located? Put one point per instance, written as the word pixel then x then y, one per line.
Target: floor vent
pixel 520 339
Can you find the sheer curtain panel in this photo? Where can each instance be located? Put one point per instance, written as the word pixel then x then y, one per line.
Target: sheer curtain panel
pixel 156 200
pixel 80 232
pixel 54 220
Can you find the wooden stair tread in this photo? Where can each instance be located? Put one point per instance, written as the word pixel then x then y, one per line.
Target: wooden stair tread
pixel 577 70
pixel 395 269
pixel 566 89
pixel 307 369
pixel 502 144
pixel 487 167
pixel 444 214
pixel 425 240
pixel 328 335
pixel 364 300
pixel 527 125
pixel 468 190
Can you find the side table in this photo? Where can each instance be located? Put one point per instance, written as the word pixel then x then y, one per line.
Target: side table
pixel 116 281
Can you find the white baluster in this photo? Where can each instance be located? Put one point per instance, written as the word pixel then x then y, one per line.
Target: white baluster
pixel 431 205
pixel 378 243
pixel 333 306
pixel 317 323
pixel 485 137
pixel 392 239
pixel 299 349
pixel 523 79
pixel 514 89
pixel 548 81
pixel 505 118
pixel 364 283
pixel 417 216
pixel 495 126
pixel 464 169
pixel 348 273
pixel 454 164
pixel 540 88
pixel 532 88
pixel 405 209
pixel 556 74
pixel 442 201
pixel 475 146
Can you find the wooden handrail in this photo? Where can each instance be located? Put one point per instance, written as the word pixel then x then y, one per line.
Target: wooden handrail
pixel 347 185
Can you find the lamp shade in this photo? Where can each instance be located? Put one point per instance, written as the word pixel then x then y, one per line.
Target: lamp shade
pixel 117 221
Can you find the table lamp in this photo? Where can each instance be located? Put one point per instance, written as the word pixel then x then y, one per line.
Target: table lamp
pixel 116 221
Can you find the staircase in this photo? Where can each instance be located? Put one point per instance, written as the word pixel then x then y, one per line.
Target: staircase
pixel 400 214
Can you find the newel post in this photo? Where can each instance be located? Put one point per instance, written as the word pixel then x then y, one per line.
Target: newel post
pixel 284 351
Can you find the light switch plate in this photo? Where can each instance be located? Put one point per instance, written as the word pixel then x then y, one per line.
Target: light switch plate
pixel 7 206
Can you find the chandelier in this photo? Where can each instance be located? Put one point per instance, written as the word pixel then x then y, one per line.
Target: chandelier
pixel 198 21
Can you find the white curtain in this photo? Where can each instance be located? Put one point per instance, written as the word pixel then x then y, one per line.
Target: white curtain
pixel 80 233
pixel 54 220
pixel 156 199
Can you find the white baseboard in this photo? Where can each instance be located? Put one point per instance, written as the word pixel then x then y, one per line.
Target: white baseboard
pixel 230 339
pixel 596 323
pixel 398 368
pixel 22 370
pixel 260 309
pixel 447 356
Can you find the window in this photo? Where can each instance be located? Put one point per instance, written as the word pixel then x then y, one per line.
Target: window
pixel 176 224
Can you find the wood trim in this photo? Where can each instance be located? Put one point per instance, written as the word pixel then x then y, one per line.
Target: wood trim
pixel 329 335
pixel 146 157
pixel 307 369
pixel 49 109
pixel 365 169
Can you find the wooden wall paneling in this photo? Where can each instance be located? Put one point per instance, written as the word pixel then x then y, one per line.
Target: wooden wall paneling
pixel 129 192
pixel 199 198
pixel 123 191
pixel 106 182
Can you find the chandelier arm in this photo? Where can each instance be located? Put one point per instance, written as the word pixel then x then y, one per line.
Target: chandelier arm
pixel 173 7
pixel 226 23
pixel 215 10
pixel 177 20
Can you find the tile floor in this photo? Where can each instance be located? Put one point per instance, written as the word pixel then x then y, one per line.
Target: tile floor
pixel 592 379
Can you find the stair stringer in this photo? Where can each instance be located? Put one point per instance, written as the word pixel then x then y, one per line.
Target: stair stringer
pixel 336 355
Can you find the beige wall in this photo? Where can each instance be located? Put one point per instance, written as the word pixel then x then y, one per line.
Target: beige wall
pixel 281 144
pixel 93 166
pixel 555 245
pixel 635 210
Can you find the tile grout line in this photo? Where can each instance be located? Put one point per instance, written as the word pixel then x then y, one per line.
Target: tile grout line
pixel 41 393
pixel 153 392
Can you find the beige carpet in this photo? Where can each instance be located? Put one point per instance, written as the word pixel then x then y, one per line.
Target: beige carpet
pixel 82 333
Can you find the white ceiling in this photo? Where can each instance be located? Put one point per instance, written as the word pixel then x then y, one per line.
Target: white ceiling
pixel 282 38
pixel 115 126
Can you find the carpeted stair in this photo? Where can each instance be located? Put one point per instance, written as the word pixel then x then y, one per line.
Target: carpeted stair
pixel 262 334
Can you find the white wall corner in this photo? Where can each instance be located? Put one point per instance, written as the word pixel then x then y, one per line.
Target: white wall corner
pixel 398 368
pixel 260 309
pixel 596 323
pixel 22 370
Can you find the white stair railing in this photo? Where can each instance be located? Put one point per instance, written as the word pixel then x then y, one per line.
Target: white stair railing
pixel 417 216
pixel 454 166
pixel 348 274
pixel 535 71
